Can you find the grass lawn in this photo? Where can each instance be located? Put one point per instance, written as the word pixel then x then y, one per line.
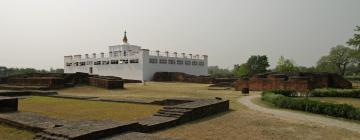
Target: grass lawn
pixel 239 123
pixel 91 110
pixel 10 133
pixel 338 100
pixel 157 90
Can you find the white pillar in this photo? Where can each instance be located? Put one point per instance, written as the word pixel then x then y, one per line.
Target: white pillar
pixel 102 55
pixel 183 55
pixel 157 52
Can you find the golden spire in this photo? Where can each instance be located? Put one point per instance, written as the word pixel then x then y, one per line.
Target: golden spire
pixel 125 40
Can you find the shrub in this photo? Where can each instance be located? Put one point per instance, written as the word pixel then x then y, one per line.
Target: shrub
pixel 336 110
pixel 353 93
pixel 288 93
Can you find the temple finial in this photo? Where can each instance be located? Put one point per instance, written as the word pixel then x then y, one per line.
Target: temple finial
pixel 125 40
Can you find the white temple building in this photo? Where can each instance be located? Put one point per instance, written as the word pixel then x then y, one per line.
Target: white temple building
pixel 131 62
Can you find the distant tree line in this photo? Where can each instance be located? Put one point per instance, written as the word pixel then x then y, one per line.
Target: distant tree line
pixel 341 59
pixel 4 71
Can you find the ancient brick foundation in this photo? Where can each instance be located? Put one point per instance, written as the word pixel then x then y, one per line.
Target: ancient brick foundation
pixel 46 82
pixel 8 104
pixel 181 77
pixel 177 111
pixel 106 82
pixel 301 82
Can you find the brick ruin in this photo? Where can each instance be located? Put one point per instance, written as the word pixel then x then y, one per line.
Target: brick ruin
pixel 181 77
pixel 108 82
pixel 174 112
pixel 8 104
pixel 301 82
pixel 47 81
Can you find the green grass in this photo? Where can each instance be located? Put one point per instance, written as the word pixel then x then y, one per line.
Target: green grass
pixel 157 90
pixel 72 109
pixel 10 133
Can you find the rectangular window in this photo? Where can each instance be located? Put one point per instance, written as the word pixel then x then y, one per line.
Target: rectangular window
pixel 82 63
pixel 171 61
pixel 97 63
pixel 201 63
pixel 179 62
pixel 105 62
pixel 194 63
pixel 163 61
pixel 114 61
pixel 124 61
pixel 187 62
pixel 153 60
pixel 68 64
pixel 89 62
pixel 76 63
pixel 134 61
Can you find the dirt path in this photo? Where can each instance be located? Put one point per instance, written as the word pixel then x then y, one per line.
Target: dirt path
pixel 287 115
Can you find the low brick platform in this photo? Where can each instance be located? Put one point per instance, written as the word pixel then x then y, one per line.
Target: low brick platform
pixel 30 121
pixel 8 104
pixel 108 82
pixel 177 111
pixel 137 136
pixel 174 115
pixel 45 82
pixel 16 93
pixel 85 130
pixel 181 77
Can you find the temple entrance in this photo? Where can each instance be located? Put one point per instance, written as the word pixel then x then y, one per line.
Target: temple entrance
pixel 90 70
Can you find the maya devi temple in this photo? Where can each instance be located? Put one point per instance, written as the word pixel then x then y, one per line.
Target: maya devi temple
pixel 301 82
pixel 132 62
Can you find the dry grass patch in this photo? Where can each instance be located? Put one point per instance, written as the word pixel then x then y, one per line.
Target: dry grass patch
pixel 153 90
pixel 72 109
pixel 248 124
pixel 10 133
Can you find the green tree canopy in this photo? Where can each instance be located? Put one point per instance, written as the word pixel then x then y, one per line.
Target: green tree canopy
pixel 286 65
pixel 241 70
pixel 355 40
pixel 215 71
pixel 257 64
pixel 338 60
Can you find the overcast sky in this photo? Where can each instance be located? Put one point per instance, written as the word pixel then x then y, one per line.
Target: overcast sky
pixel 38 33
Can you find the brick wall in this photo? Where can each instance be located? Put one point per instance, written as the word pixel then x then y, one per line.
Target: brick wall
pixel 49 82
pixel 106 82
pixel 301 82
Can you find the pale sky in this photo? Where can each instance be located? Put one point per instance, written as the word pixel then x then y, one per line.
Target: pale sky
pixel 38 33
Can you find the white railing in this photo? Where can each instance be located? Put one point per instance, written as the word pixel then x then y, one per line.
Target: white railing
pixel 176 55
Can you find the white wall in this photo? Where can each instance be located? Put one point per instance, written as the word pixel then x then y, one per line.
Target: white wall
pixel 150 69
pixel 126 71
pixel 137 71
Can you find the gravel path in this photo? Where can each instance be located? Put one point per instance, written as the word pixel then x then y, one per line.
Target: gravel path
pixel 288 115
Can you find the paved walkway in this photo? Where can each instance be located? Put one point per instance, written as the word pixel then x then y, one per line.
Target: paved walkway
pixel 288 115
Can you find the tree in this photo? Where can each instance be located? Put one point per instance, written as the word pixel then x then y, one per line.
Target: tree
pixel 324 65
pixel 241 71
pixel 215 71
pixel 341 56
pixel 257 64
pixel 286 65
pixel 355 41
